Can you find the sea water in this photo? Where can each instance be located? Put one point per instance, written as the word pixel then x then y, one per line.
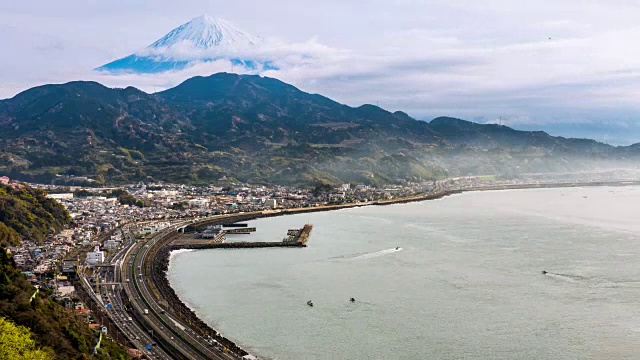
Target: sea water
pixel 455 278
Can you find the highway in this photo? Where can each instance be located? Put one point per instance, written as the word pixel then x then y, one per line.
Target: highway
pixel 118 311
pixel 162 321
pixel 136 311
pixel 137 337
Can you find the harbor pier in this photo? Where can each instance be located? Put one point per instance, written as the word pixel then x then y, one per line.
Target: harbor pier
pixel 294 238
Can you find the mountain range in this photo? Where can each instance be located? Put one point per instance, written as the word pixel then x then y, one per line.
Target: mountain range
pixel 261 130
pixel 202 39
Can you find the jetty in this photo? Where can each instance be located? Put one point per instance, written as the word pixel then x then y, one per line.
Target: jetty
pixel 294 238
pixel 244 230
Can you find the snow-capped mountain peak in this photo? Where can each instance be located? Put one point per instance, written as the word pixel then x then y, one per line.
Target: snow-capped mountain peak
pixel 205 32
pixel 206 38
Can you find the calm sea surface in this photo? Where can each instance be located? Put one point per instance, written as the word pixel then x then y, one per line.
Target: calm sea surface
pixel 465 283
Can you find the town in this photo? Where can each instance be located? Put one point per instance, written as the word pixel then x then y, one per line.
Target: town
pixel 100 214
pixel 98 211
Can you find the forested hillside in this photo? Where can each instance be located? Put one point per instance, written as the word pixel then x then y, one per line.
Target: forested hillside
pixel 27 213
pixel 259 130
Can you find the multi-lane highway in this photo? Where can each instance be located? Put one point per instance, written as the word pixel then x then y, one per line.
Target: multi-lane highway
pixel 134 308
pixel 160 320
pixel 142 318
pixel 110 300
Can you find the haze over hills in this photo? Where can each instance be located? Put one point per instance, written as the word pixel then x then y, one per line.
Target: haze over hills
pixel 202 39
pixel 258 129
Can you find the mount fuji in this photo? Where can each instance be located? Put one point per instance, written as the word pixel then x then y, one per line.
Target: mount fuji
pixel 202 39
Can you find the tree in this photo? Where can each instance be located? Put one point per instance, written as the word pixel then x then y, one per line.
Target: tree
pixel 16 343
pixel 322 188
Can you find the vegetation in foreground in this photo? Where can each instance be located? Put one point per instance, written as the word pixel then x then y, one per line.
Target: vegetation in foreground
pixel 16 343
pixel 52 329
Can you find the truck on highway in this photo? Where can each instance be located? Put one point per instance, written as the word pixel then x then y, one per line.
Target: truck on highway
pixel 145 311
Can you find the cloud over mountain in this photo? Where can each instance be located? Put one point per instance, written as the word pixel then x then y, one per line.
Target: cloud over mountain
pixel 202 39
pixel 532 64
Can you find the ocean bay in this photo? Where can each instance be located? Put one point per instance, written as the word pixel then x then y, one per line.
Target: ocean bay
pixel 464 282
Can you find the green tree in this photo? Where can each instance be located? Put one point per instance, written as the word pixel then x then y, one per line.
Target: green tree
pixel 322 188
pixel 16 343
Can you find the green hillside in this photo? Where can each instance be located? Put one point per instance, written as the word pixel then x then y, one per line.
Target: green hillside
pixel 27 213
pixel 260 130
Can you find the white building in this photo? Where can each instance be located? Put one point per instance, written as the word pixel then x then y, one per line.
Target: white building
pixel 111 244
pixel 63 196
pixel 272 203
pixel 198 203
pixel 153 228
pixel 95 257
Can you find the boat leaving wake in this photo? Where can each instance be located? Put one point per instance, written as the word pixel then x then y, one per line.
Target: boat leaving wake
pixel 593 281
pixel 565 277
pixel 377 254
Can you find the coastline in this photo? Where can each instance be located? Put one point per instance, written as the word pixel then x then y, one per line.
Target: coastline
pixel 162 257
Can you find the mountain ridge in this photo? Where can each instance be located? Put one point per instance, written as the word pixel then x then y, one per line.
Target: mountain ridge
pixel 259 129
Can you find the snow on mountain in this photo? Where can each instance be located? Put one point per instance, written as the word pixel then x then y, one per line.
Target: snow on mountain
pixel 205 32
pixel 202 39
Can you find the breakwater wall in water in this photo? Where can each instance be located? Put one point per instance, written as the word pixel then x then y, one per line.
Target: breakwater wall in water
pixel 158 262
pixel 298 238
pixel 232 245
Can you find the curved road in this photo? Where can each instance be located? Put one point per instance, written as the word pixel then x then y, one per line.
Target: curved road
pixel 162 324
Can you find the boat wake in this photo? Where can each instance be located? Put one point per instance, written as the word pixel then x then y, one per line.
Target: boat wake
pixel 565 277
pixel 595 282
pixel 366 255
pixel 377 254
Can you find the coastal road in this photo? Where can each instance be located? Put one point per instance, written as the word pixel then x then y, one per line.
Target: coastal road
pixel 117 312
pixel 163 326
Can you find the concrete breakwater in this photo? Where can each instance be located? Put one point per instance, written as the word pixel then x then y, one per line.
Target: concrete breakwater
pixel 296 238
pixel 231 245
pixel 159 263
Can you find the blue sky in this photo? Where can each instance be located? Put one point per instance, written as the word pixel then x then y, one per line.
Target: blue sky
pixel 571 67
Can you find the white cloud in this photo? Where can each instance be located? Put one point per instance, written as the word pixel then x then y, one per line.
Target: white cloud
pixel 539 62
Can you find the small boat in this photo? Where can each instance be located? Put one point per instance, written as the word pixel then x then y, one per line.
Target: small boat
pixel 310 303
pixel 352 300
pixel 397 248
